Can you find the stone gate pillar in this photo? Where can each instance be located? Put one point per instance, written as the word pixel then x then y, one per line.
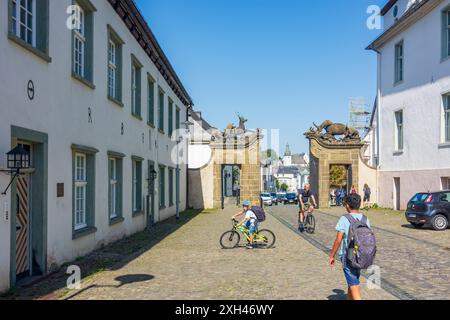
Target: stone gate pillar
pixel 326 151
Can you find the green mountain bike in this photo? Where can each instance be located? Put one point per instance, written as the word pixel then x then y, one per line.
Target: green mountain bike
pixel 264 239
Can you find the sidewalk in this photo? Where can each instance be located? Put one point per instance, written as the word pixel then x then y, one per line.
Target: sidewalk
pixel 189 264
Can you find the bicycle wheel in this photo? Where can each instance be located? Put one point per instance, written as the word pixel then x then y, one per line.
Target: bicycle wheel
pixel 230 240
pixel 265 239
pixel 310 224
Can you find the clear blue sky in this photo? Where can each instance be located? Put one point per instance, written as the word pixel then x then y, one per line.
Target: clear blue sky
pixel 281 63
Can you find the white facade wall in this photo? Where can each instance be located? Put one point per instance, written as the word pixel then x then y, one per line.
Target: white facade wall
pixel 425 157
pixel 60 109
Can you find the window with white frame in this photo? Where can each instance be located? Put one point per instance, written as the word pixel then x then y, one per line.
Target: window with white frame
pixel 23 20
pixel 446 33
pixel 112 69
pixel 399 133
pixel 135 88
pixel 446 121
pixel 79 43
pixel 28 25
pixel 80 184
pixel 83 41
pixel 114 66
pixel 113 188
pixel 151 102
pixel 399 61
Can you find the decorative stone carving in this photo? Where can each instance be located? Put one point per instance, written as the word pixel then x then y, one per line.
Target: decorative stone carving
pixel 328 131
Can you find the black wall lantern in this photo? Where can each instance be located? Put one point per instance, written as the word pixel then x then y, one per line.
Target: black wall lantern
pixel 17 159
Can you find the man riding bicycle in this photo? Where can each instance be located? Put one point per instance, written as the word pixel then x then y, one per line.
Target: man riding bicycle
pixel 307 203
pixel 250 221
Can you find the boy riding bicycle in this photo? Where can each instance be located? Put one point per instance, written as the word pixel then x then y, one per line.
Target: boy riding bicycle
pixel 307 203
pixel 250 221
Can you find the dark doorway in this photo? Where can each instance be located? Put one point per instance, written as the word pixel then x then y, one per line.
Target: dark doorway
pixel 397 203
pixel 231 185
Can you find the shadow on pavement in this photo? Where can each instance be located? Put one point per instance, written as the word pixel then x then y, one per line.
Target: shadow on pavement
pixel 108 258
pixel 338 295
pixel 124 280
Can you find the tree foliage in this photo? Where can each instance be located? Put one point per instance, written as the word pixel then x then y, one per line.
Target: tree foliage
pixel 338 176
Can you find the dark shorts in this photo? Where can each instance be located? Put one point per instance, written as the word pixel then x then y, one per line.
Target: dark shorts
pixel 367 197
pixel 352 276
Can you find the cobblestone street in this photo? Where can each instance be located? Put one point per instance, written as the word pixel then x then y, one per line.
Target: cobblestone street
pixel 415 264
pixel 189 264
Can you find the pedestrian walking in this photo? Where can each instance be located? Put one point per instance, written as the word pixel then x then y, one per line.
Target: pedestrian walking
pixel 356 244
pixel 367 194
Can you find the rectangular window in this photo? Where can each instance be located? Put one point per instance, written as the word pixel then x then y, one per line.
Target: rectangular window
pixel 170 117
pixel 80 184
pixel 83 189
pixel 136 88
pixel 23 20
pixel 151 102
pixel 162 187
pixel 399 130
pixel 399 62
pixel 137 186
pixel 82 40
pixel 177 119
pixel 171 201
pixel 447 118
pixel 447 29
pixel 445 33
pixel 28 25
pixel 79 43
pixel 115 45
pixel 115 188
pixel 161 110
pixel 112 69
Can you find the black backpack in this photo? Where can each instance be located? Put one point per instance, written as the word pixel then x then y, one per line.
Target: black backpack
pixel 259 213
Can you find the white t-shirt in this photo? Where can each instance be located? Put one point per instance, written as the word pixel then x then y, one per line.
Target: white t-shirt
pixel 250 215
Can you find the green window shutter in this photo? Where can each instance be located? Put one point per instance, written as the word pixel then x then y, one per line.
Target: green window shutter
pixel 138 90
pixel 162 187
pixel 151 102
pixel 161 110
pixel 42 25
pixel 171 187
pixel 119 73
pixel 170 117
pixel 89 54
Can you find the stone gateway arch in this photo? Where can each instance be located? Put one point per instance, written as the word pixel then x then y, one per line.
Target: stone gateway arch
pixel 334 145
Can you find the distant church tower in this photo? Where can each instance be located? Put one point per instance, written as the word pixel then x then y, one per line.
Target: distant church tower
pixel 287 159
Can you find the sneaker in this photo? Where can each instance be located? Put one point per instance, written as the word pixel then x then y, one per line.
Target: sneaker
pixel 249 246
pixel 301 228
